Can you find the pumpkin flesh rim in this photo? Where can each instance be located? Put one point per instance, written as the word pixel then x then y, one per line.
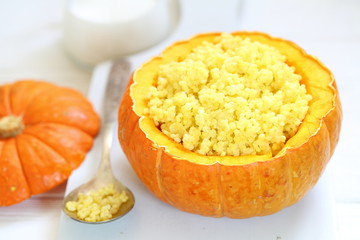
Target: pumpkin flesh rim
pixel 319 82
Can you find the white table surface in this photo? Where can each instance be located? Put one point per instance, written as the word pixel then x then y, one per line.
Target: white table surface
pixel 31 47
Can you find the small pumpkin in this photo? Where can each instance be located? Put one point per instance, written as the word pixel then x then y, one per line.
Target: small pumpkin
pixel 236 187
pixel 45 132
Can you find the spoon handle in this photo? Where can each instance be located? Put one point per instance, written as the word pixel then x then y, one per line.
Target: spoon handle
pixel 116 83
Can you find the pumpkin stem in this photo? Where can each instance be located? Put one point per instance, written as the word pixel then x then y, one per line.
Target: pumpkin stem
pixel 10 126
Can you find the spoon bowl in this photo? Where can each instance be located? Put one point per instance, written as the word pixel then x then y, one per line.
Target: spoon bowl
pixel 90 186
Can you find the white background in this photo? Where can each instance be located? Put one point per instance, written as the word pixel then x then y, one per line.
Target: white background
pixel 31 47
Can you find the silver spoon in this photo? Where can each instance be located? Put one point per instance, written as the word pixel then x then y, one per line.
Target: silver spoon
pixel 104 176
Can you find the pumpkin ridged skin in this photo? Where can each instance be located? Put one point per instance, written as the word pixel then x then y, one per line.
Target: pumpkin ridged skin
pixel 238 190
pixel 59 127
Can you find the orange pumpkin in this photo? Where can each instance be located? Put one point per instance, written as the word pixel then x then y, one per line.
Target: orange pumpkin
pixel 236 187
pixel 45 132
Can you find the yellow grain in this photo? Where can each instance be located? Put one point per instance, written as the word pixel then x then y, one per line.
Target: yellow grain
pixel 97 205
pixel 231 97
